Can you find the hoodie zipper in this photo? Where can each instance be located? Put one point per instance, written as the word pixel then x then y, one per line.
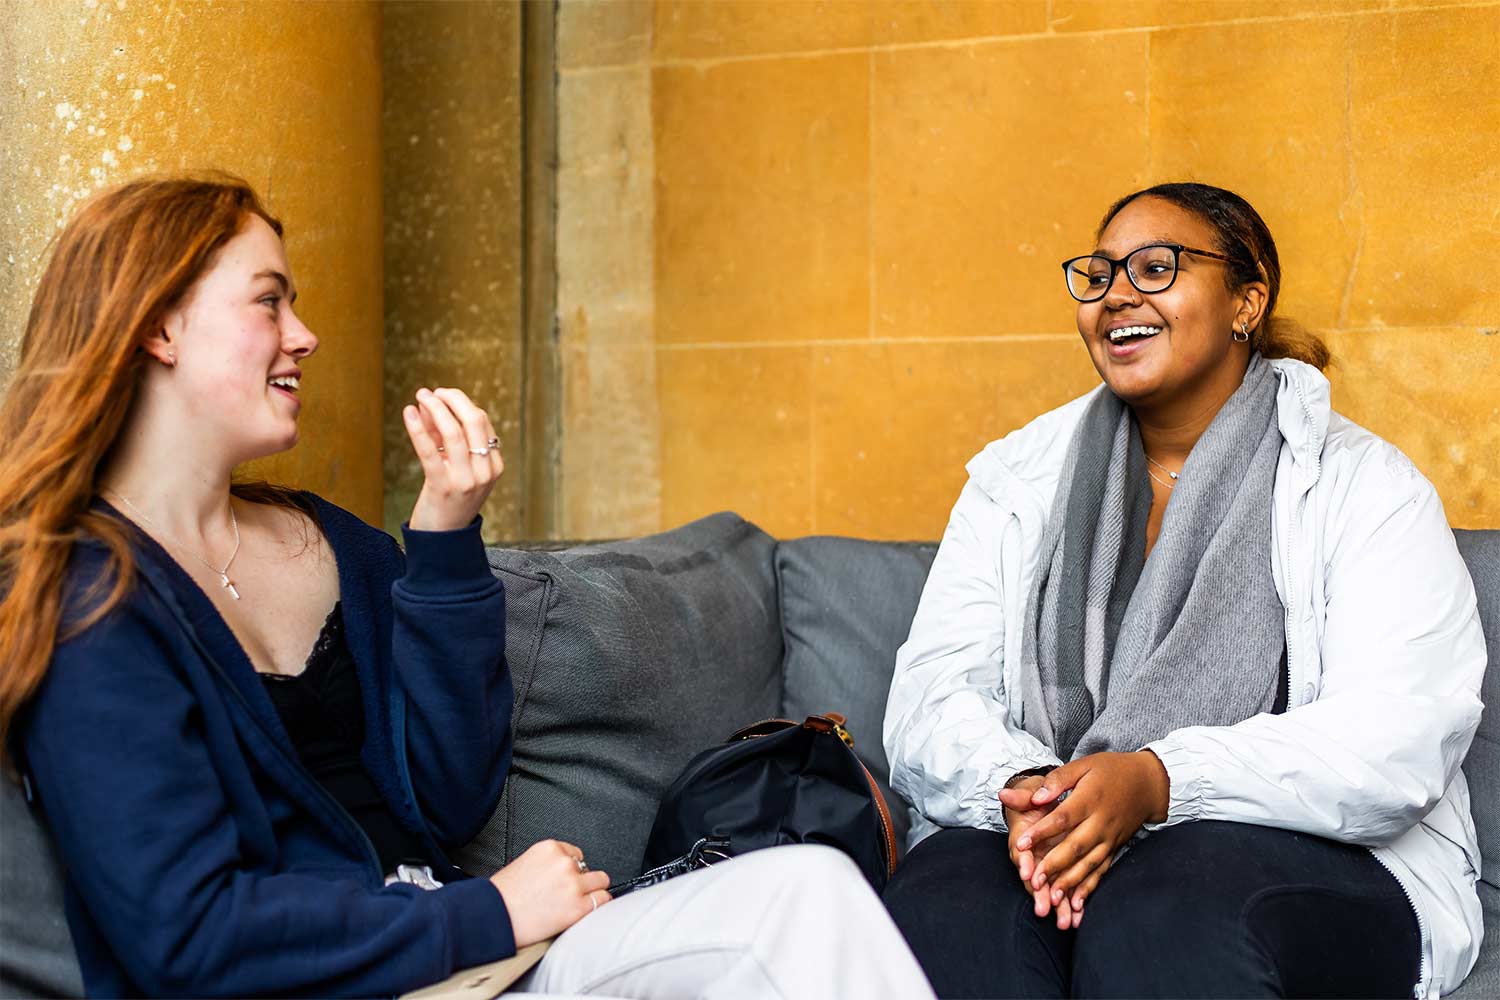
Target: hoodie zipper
pixel 1419 989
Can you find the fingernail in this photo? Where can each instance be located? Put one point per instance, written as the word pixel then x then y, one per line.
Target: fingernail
pixel 1057 895
pixel 1077 902
pixel 1024 844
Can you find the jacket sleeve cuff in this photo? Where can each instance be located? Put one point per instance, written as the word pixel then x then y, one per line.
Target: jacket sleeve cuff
pixel 478 923
pixel 1004 773
pixel 445 561
pixel 1185 775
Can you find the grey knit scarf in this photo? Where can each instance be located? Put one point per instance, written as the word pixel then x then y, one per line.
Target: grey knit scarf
pixel 1120 650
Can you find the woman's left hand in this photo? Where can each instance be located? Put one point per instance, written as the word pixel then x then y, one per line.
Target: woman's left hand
pixel 460 457
pixel 1111 795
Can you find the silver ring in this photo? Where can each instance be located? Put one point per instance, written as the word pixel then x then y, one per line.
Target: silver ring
pixel 595 900
pixel 441 448
pixel 481 452
pixel 583 865
pixel 493 443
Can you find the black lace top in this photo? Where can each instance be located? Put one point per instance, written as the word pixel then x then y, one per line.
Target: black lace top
pixel 323 714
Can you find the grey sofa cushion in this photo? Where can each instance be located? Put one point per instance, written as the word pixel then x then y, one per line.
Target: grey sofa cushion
pixel 1481 550
pixel 846 607
pixel 36 950
pixel 628 658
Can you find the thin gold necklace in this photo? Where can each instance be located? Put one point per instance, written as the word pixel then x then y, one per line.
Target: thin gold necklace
pixel 1175 475
pixel 224 580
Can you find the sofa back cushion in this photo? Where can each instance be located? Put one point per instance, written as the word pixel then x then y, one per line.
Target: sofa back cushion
pixel 1481 550
pixel 36 950
pixel 627 658
pixel 846 606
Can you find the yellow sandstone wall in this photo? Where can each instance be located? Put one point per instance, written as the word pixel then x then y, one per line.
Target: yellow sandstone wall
pixel 453 231
pixel 286 94
pixel 855 213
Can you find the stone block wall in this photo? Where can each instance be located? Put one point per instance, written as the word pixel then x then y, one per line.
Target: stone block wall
pixel 808 252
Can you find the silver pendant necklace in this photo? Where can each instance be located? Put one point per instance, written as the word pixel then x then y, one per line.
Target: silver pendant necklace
pixel 224 580
pixel 1175 475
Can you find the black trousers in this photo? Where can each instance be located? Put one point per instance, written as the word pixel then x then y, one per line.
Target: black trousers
pixel 1200 909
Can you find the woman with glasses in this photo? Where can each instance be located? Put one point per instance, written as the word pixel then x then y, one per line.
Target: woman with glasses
pixel 255 726
pixel 1186 696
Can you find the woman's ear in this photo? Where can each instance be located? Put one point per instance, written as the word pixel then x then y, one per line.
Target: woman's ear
pixel 1252 305
pixel 162 345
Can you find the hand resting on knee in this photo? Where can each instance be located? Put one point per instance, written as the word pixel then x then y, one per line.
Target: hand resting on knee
pixel 1065 828
pixel 549 889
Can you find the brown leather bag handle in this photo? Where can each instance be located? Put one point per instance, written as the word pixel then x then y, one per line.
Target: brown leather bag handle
pixel 828 722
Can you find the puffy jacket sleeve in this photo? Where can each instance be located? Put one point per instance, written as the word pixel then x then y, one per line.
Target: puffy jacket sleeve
pixel 116 741
pixel 952 743
pixel 448 645
pixel 1397 703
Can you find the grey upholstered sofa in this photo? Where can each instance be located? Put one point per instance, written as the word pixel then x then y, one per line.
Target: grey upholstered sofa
pixel 629 657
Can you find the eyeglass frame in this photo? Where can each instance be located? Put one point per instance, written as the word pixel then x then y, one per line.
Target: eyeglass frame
pixel 1115 265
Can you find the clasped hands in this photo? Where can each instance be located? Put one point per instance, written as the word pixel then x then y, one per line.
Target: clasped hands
pixel 1062 847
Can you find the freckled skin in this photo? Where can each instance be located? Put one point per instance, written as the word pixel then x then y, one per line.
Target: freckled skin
pixel 232 333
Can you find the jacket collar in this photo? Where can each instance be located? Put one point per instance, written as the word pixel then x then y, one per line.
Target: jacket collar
pixel 1022 468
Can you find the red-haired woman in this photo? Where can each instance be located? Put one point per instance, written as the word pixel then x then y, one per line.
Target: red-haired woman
pixel 254 724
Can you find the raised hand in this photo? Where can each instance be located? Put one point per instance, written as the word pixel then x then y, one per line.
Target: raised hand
pixel 548 889
pixel 460 455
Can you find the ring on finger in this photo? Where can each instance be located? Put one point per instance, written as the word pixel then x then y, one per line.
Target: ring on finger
pixel 481 452
pixel 493 442
pixel 595 900
pixel 583 865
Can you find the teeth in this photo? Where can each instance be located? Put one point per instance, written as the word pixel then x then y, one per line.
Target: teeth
pixel 1125 332
pixel 286 382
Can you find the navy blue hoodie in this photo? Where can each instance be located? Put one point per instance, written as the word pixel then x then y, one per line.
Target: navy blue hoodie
pixel 202 858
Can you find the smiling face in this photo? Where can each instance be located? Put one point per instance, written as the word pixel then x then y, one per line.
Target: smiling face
pixel 1180 350
pixel 235 348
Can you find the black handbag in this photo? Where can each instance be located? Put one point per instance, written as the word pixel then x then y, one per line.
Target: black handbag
pixel 779 782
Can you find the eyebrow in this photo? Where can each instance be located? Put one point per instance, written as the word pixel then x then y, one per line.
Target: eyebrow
pixel 1145 243
pixel 279 278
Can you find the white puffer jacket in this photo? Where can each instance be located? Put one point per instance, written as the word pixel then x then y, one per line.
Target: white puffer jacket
pixel 1384 654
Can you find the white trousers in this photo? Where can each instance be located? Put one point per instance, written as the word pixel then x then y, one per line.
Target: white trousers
pixel 794 921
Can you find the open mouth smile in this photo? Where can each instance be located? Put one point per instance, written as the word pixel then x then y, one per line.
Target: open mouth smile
pixel 1125 334
pixel 288 384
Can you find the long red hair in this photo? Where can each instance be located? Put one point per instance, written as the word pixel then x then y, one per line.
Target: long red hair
pixel 116 271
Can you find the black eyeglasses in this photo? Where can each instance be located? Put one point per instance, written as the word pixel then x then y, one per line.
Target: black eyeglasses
pixel 1151 269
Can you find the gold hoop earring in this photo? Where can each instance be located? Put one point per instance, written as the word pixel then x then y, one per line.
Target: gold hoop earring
pixel 1241 334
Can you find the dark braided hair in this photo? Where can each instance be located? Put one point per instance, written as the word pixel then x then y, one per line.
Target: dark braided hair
pixel 1243 236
